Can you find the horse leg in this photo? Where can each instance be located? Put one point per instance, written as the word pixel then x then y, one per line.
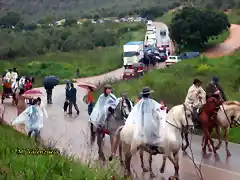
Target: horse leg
pixel 219 133
pixel 208 138
pixel 128 157
pixel 187 143
pixel 152 174
pixel 99 143
pixel 120 153
pixel 174 158
pixel 226 141
pixel 93 134
pixel 162 169
pixel 142 162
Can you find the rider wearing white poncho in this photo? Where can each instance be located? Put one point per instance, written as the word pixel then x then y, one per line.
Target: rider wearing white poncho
pixel 105 103
pixel 149 121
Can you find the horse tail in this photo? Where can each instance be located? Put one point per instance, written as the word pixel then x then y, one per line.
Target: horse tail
pixel 116 142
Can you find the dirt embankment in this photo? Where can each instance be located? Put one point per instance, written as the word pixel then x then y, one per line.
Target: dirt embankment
pixel 228 47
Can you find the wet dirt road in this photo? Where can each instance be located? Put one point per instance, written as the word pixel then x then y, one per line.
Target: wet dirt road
pixel 229 46
pixel 71 135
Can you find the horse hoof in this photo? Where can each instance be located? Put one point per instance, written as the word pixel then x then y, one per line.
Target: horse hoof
pixel 228 154
pixel 145 169
pixel 110 158
pixel 184 153
pixel 162 170
pixel 152 175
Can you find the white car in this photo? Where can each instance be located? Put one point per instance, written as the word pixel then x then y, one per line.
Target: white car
pixel 149 23
pixel 172 60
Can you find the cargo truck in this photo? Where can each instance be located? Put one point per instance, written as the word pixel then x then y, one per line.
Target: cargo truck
pixel 132 53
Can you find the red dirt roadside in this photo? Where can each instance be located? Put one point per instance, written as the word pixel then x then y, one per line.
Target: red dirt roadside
pixel 228 47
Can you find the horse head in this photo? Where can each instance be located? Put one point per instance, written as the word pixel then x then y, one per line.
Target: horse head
pixel 187 117
pixel 126 107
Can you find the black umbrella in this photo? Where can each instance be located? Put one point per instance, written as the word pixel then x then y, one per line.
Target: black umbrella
pixel 51 81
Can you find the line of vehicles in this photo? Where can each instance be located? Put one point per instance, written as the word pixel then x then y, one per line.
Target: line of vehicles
pixel 138 55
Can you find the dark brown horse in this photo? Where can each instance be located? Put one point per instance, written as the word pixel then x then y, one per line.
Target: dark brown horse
pixel 208 121
pixel 113 122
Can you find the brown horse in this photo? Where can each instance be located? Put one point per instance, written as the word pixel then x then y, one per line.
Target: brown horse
pixel 114 120
pixel 227 116
pixel 208 122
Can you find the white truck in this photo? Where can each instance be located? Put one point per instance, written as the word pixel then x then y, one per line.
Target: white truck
pixel 132 53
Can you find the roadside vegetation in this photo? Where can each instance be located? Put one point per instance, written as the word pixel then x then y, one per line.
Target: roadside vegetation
pixel 18 164
pixel 171 84
pixel 43 51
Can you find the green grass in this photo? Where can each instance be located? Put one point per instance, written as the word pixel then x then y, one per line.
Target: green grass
pixel 40 167
pixel 171 84
pixel 234 16
pixel 166 17
pixel 63 65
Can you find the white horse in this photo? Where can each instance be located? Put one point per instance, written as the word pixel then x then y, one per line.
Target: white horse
pixel 179 119
pixel 228 115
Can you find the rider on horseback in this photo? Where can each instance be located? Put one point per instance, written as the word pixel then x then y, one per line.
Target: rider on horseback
pixel 214 88
pixel 148 118
pixel 104 105
pixel 195 99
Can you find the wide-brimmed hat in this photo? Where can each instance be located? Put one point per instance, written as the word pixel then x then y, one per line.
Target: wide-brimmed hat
pixel 107 86
pixel 146 90
pixel 124 94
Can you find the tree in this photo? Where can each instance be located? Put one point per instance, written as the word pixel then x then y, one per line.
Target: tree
pixel 31 27
pixel 193 27
pixel 70 22
pixel 96 17
pixel 10 19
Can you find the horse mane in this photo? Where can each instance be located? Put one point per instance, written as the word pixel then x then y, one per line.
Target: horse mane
pixel 232 103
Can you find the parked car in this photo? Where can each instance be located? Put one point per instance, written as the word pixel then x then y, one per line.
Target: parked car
pixel 132 73
pixel 172 60
pixel 189 55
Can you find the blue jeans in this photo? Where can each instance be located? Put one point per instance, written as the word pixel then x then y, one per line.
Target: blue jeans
pixel 90 108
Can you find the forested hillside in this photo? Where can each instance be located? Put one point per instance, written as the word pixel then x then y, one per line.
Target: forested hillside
pixel 37 9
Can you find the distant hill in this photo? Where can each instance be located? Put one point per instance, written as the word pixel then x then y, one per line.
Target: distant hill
pixel 37 9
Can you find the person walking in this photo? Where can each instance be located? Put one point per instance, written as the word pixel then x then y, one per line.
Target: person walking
pixel 72 95
pixel 90 100
pixel 49 88
pixel 42 111
pixel 66 103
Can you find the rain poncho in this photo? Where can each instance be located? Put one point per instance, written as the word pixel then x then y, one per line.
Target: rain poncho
pixel 31 117
pixel 100 110
pixel 150 122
